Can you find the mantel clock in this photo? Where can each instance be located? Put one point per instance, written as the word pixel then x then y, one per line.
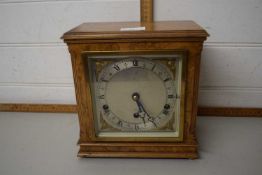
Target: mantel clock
pixel 136 87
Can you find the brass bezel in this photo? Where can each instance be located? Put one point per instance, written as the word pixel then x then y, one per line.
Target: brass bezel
pixel 95 138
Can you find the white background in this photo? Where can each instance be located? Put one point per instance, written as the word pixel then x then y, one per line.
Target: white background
pixel 45 144
pixel 35 67
pixel 35 64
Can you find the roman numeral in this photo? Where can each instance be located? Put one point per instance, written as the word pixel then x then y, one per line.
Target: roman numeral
pixel 104 80
pixel 135 63
pixel 107 112
pixel 153 67
pixel 116 67
pixel 165 112
pixel 102 97
pixel 171 96
pixel 167 79
pixel 120 123
pixel 136 127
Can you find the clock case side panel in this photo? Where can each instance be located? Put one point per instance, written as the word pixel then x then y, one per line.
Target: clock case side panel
pixel 192 81
pixel 83 96
pixel 85 57
pixel 196 63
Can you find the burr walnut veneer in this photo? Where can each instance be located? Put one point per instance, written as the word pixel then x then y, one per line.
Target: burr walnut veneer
pixel 170 36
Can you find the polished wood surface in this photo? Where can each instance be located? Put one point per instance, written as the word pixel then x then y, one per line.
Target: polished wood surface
pixel 151 27
pixel 71 108
pixel 146 11
pixel 182 36
pixel 165 29
pixel 230 112
pixel 47 108
pixel 138 150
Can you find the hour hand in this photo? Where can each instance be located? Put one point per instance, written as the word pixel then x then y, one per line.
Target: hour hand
pixel 136 97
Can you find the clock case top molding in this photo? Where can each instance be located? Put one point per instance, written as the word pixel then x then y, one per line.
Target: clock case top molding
pixel 169 36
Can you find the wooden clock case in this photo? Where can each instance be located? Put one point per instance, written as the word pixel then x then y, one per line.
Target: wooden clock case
pixel 176 36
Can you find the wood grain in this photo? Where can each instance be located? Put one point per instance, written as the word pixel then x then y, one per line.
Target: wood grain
pixel 99 38
pixel 71 108
pixel 47 108
pixel 93 32
pixel 229 112
pixel 138 150
pixel 146 11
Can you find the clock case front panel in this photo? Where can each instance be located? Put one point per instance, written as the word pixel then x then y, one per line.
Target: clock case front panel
pixel 174 62
pixel 91 146
pixel 175 36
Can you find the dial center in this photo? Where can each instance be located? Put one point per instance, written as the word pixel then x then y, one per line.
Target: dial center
pixel 135 96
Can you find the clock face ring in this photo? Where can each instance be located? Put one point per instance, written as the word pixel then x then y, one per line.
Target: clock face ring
pixel 136 94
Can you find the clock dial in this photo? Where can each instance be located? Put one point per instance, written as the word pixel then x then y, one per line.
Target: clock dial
pixel 136 95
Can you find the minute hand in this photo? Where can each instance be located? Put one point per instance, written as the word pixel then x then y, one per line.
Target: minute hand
pixel 136 98
pixel 141 107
